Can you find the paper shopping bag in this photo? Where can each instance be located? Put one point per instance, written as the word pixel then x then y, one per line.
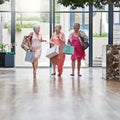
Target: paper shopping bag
pixel 52 52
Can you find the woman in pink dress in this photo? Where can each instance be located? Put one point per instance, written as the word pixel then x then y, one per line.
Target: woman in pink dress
pixel 79 53
pixel 35 45
pixel 58 38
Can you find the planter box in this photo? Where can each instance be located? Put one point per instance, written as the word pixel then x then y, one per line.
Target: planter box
pixel 6 60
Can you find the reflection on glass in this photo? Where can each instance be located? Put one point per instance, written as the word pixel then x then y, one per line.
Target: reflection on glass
pixel 35 85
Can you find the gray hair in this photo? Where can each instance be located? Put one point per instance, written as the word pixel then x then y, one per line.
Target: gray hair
pixel 77 24
pixel 58 26
pixel 36 26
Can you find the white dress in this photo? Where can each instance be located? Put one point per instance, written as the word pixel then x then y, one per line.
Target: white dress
pixel 36 44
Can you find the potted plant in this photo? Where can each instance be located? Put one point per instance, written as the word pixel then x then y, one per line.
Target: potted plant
pixel 6 56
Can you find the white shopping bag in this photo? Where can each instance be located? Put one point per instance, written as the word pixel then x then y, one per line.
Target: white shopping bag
pixel 52 52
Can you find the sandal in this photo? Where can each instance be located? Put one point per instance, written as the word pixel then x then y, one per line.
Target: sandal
pixel 59 75
pixel 71 74
pixel 53 74
pixel 79 75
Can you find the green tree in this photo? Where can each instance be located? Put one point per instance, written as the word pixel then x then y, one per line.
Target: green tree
pixel 2 1
pixel 82 3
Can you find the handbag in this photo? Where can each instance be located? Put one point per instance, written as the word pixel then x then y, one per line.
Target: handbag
pixel 84 40
pixel 67 49
pixel 24 44
pixel 52 52
pixel 85 44
pixel 29 56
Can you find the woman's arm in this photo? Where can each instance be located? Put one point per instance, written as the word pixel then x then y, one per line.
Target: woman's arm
pixel 43 40
pixel 62 38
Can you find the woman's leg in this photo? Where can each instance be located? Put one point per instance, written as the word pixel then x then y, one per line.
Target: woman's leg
pixel 60 70
pixel 54 69
pixel 35 65
pixel 73 66
pixel 78 66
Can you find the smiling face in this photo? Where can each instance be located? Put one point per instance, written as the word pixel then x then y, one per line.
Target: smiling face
pixel 58 29
pixel 76 27
pixel 37 30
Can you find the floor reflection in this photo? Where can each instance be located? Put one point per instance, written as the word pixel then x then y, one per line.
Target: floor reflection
pixel 35 85
pixel 58 98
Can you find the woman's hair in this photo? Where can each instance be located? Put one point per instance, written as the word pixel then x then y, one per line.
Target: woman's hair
pixel 58 26
pixel 77 24
pixel 36 26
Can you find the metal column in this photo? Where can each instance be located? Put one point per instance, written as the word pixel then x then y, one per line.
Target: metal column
pixel 110 18
pixel 90 36
pixel 13 24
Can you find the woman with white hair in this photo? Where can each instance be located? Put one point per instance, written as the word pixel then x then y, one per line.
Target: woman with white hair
pixel 35 40
pixel 58 38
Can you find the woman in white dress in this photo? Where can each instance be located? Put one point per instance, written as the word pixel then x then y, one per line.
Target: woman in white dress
pixel 35 40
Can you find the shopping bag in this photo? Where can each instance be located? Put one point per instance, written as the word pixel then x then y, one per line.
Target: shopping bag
pixel 67 49
pixel 52 52
pixel 29 56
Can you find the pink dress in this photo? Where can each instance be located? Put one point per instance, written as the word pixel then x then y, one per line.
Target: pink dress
pixel 79 53
pixel 59 60
pixel 36 44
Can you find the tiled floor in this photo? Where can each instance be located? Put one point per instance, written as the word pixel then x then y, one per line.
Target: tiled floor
pixel 51 98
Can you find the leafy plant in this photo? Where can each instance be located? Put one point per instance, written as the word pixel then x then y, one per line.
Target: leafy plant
pixel 19 27
pixel 3 47
pixel 82 3
pixel 100 35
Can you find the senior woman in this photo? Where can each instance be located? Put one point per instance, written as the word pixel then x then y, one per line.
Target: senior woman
pixel 58 38
pixel 79 53
pixel 35 40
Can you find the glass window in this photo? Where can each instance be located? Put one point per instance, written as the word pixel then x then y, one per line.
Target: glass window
pixel 6 6
pixel 116 8
pixel 66 20
pixel 32 5
pixel 100 36
pixel 116 28
pixel 5 30
pixel 105 8
pixel 24 25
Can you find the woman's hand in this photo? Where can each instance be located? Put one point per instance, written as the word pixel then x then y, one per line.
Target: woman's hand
pixel 44 40
pixel 30 48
